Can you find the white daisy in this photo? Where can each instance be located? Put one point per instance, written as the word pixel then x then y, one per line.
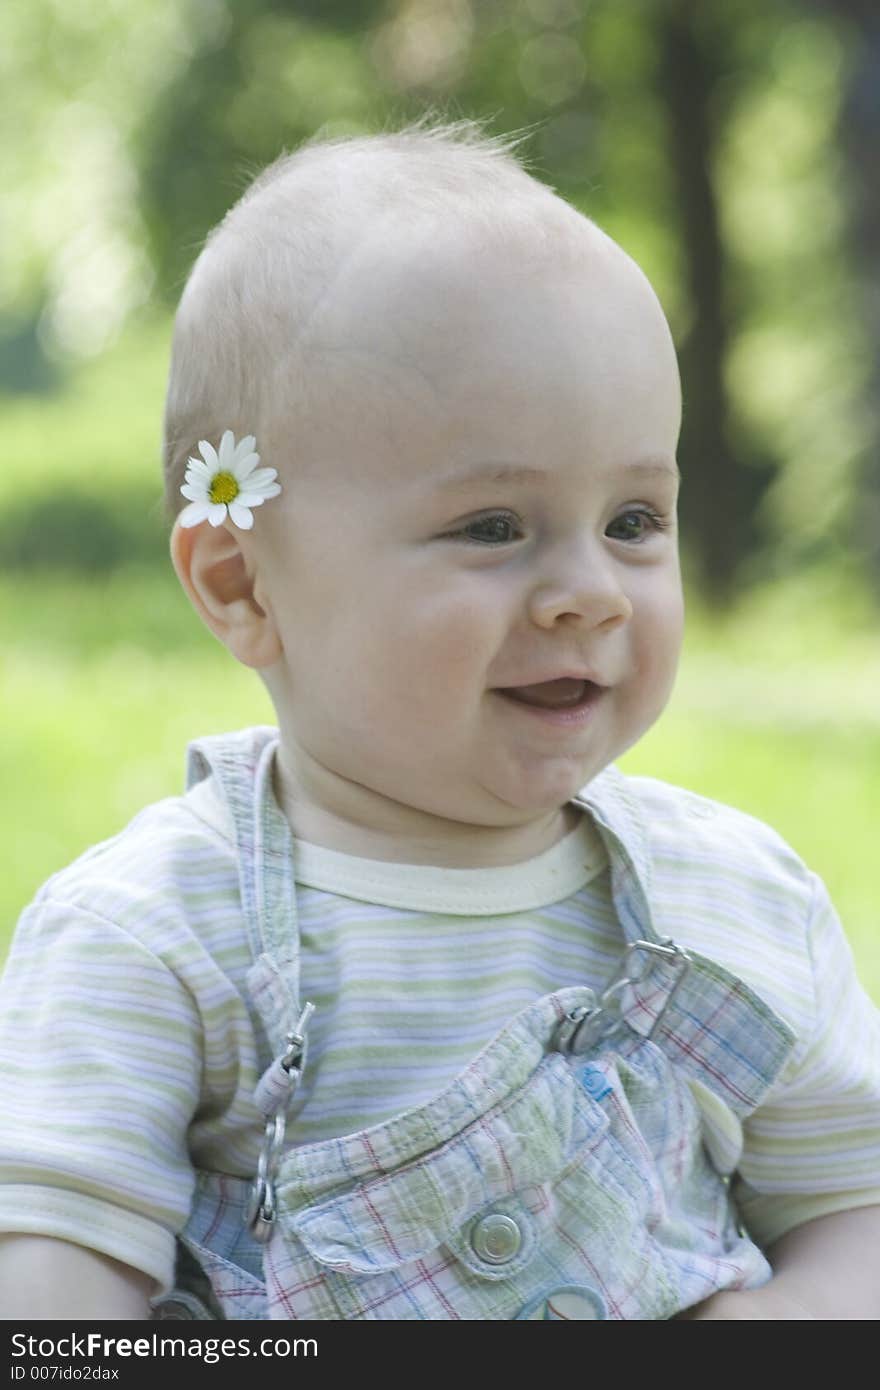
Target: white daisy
pixel 227 482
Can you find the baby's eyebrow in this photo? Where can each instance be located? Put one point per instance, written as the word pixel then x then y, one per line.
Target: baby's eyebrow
pixel 478 474
pixel 655 467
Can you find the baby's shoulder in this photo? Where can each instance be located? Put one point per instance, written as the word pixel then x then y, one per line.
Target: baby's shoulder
pixel 169 862
pixel 690 835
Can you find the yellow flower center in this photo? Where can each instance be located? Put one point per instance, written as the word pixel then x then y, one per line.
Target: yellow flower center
pixel 224 488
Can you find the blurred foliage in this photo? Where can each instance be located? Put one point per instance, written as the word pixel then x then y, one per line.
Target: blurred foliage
pixel 81 531
pixel 88 463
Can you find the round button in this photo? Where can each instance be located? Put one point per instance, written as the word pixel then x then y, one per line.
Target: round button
pixel 180 1306
pixel 568 1303
pixel 496 1239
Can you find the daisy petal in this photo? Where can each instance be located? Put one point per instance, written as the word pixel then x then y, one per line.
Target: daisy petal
pixel 198 466
pixel 246 466
pixel 272 490
pixel 245 446
pixel 227 449
pixel 196 492
pixel 261 478
pixel 217 513
pixel 240 515
pixel 209 454
pixel 250 499
pixel 193 514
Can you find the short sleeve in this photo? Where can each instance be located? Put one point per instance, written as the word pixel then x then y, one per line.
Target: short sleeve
pixel 99 1079
pixel 813 1147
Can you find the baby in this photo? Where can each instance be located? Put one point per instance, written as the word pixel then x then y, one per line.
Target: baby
pixel 415 1007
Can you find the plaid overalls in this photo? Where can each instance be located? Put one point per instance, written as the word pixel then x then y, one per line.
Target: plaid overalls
pixel 578 1168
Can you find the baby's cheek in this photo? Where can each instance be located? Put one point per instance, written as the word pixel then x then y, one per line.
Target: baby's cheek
pixel 450 639
pixel 658 663
pixel 461 651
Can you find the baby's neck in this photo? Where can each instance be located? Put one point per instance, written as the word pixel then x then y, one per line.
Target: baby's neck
pixel 368 826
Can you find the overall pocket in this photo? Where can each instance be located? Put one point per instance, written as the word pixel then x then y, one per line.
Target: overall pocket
pixel 591 1181
pixel 463 1232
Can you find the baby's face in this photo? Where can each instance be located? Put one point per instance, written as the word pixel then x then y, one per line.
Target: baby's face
pixel 484 502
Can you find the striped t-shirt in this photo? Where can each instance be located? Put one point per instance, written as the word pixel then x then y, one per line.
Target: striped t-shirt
pixel 129 1053
pixel 413 968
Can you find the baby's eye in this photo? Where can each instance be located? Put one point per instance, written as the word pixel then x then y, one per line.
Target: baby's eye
pixel 499 528
pixel 635 525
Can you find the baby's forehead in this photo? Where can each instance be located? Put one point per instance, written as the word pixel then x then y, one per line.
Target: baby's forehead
pixel 445 353
pixel 423 289
pixel 438 300
pixel 340 216
pixel 375 280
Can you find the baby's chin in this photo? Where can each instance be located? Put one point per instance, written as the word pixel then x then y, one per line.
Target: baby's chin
pixel 524 805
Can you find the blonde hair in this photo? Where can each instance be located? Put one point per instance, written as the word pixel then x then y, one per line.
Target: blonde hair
pixel 240 325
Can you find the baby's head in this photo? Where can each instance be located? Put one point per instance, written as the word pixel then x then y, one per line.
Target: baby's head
pixel 471 399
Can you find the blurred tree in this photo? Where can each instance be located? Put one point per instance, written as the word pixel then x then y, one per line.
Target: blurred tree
pixel 265 76
pixel 76 81
pixel 718 483
pixel 859 134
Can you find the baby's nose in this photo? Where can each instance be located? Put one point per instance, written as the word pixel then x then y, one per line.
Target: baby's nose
pixel 590 594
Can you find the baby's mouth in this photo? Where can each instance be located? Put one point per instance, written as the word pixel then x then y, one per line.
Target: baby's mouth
pixel 563 693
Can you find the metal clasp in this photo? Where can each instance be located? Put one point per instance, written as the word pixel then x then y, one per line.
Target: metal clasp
pixel 296 1042
pixel 667 949
pixel 570 1025
pixel 262 1209
pixel 581 1029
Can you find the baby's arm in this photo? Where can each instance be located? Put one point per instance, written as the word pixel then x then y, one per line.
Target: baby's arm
pixel 827 1269
pixel 819 1134
pixel 100 1063
pixel 45 1278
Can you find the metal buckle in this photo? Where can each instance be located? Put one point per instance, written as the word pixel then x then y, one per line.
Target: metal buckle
pixel 571 1024
pixel 296 1042
pixel 262 1209
pixel 667 949
pixel 582 1027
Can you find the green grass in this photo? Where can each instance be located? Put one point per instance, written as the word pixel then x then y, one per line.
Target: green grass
pixel 102 426
pixel 105 680
pixel 106 683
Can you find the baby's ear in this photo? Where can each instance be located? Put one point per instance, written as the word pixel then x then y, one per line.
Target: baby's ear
pixel 222 587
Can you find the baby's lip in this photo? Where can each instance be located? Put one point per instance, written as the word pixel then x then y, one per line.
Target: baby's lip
pixel 563 692
pixel 570 675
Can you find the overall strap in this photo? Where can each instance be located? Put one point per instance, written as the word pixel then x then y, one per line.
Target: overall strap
pixel 620 822
pixel 702 1016
pixel 243 765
